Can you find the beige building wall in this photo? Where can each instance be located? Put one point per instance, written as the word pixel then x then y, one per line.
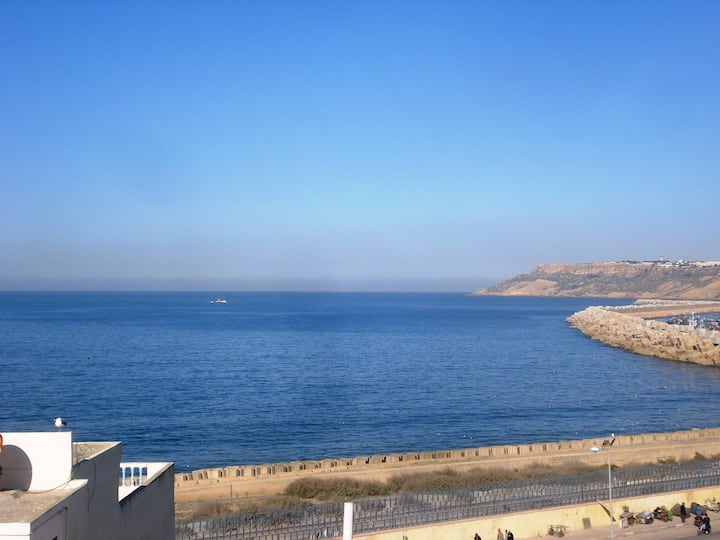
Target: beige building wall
pixel 536 523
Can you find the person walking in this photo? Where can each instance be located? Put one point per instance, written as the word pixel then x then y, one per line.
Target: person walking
pixel 500 535
pixel 683 512
pixel 477 537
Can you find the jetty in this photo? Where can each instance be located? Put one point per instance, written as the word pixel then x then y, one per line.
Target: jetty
pixel 635 328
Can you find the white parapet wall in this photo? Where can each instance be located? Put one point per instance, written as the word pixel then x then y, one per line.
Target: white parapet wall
pixel 50 488
pixel 36 461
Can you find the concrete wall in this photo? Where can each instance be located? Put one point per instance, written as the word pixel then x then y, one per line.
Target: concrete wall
pixel 148 513
pixel 56 526
pixel 51 520
pixel 73 514
pixel 36 461
pixel 101 471
pixel 65 521
pixel 536 523
pixel 676 445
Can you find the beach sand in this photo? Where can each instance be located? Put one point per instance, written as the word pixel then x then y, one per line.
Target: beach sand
pixel 193 497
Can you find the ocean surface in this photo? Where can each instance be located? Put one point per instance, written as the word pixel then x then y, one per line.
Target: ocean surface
pixel 271 377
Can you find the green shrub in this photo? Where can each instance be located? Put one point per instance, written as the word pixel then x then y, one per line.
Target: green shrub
pixel 323 489
pixel 334 489
pixel 450 478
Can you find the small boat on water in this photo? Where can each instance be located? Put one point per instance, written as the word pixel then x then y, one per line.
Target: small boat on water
pixel 218 301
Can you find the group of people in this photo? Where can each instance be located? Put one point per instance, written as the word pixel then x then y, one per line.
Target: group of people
pixel 507 535
pixel 702 521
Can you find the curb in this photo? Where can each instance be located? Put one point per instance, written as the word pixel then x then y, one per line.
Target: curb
pixel 633 530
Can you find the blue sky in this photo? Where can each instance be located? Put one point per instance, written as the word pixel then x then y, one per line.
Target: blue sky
pixel 359 145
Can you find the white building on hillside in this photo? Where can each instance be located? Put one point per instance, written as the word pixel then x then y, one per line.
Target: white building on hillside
pixel 54 489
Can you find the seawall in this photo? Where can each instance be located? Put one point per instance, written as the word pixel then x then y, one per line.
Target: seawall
pixel 583 522
pixel 273 478
pixel 630 328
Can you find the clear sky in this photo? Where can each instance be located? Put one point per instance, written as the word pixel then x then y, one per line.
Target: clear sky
pixel 352 145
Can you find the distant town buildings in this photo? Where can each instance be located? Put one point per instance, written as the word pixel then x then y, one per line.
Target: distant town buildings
pixel 54 489
pixel 675 264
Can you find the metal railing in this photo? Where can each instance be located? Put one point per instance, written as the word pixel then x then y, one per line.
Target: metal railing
pixel 311 521
pixel 132 475
pixel 411 510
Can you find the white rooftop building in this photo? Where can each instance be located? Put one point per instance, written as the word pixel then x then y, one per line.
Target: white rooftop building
pixel 54 489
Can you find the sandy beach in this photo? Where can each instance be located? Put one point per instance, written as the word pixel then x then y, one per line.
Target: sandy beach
pixel 677 446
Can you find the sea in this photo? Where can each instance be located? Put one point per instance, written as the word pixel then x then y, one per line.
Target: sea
pixel 277 377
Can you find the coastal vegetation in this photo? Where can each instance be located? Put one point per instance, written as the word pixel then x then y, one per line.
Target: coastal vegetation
pixel 311 490
pixel 337 489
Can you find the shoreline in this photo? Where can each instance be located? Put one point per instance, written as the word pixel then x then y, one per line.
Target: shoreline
pixel 236 482
pixel 258 480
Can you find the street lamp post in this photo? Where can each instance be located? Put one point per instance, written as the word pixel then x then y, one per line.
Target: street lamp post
pixel 607 443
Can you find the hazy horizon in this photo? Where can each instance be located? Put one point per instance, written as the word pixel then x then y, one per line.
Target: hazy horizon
pixel 288 286
pixel 426 146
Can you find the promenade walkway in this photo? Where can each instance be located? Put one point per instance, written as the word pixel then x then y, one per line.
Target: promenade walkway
pixel 657 530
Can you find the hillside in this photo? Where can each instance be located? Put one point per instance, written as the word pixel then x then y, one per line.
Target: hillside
pixel 628 279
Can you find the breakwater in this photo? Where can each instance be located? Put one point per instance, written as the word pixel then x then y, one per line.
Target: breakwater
pixel 628 328
pixel 628 449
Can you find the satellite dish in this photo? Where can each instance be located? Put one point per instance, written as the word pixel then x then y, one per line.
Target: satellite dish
pixel 60 423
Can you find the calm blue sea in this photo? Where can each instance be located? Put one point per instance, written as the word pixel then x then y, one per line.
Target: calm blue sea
pixel 272 377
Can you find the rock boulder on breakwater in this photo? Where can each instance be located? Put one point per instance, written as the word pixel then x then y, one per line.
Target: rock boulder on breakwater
pixel 623 328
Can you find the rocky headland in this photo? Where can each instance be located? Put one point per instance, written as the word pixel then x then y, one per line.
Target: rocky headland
pixel 626 279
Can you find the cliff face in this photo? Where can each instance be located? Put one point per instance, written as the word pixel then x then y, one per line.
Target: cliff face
pixel 690 281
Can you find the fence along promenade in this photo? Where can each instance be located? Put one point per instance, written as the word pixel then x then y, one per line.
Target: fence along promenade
pixel 423 509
